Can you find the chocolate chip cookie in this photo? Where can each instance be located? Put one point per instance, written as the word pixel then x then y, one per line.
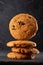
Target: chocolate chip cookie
pixel 23 26
pixel 21 44
pixel 25 50
pixel 14 55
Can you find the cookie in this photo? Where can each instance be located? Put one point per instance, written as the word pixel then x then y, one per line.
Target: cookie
pixel 23 26
pixel 25 50
pixel 13 55
pixel 21 43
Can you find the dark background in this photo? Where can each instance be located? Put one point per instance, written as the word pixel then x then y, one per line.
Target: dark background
pixel 9 8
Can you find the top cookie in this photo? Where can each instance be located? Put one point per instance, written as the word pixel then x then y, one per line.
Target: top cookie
pixel 23 26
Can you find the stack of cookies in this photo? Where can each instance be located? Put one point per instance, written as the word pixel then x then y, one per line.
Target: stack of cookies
pixel 23 27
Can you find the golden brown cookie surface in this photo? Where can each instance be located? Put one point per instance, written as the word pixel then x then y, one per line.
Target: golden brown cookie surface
pixel 21 43
pixel 13 55
pixel 25 50
pixel 23 26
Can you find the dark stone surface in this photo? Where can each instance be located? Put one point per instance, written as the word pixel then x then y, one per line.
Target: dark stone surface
pixel 9 8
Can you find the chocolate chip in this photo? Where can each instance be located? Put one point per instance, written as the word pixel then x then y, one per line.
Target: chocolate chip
pixel 20 50
pixel 13 27
pixel 31 52
pixel 25 31
pixel 29 17
pixel 14 45
pixel 20 45
pixel 21 23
